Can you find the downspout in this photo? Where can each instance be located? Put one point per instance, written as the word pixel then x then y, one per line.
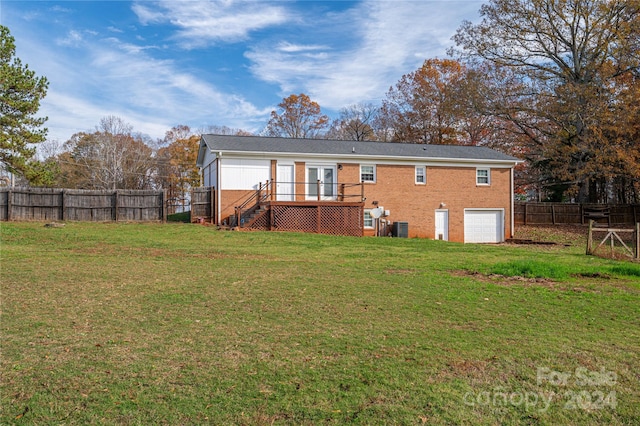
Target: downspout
pixel 511 172
pixel 218 191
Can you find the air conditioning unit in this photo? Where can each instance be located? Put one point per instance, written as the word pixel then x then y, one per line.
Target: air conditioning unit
pixel 401 229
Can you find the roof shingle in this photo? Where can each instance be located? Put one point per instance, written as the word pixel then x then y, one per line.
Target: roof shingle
pixel 260 144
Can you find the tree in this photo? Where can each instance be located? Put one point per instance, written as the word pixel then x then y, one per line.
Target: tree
pixel 423 107
pixel 298 117
pixel 355 123
pixel 574 60
pixel 109 158
pixel 20 94
pixel 223 130
pixel 177 163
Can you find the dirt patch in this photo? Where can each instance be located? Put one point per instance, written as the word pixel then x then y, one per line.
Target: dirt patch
pixel 521 241
pixel 591 283
pixel 592 275
pixel 502 279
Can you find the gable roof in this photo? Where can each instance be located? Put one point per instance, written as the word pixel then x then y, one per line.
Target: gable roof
pixel 257 145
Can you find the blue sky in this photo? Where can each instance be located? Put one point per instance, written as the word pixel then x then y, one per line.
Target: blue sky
pixel 157 64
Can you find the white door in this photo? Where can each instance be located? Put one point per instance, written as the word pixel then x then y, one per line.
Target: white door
pixel 483 226
pixel 285 187
pixel 442 225
pixel 327 186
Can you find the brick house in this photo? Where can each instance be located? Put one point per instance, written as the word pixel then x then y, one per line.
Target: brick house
pixel 449 192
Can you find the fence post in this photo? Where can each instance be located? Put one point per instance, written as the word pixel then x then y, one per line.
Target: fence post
pixel 525 213
pixel 271 218
pixel 590 237
pixel 115 203
pixel 553 214
pixel 62 200
pixel 9 205
pixel 164 206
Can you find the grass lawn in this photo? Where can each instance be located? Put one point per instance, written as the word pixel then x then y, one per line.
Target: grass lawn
pixel 183 324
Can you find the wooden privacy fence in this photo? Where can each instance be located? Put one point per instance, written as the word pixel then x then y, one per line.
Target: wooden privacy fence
pixel 575 214
pixel 81 205
pixel 203 204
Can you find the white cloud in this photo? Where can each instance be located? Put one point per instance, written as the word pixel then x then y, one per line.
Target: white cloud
pixel 296 48
pixel 60 9
pixel 73 38
pixel 101 77
pixel 393 38
pixel 202 23
pixel 339 58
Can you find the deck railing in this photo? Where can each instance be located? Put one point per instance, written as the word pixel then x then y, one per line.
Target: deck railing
pixel 268 191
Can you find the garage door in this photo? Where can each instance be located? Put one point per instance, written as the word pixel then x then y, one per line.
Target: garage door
pixel 483 226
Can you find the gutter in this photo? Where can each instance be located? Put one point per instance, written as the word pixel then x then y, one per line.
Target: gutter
pixel 303 156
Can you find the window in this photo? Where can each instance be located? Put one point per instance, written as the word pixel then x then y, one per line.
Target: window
pixel 368 219
pixel 367 173
pixel 482 176
pixel 421 176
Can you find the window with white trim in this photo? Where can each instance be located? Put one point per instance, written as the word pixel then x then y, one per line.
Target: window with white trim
pixel 421 175
pixel 483 176
pixel 368 219
pixel 367 173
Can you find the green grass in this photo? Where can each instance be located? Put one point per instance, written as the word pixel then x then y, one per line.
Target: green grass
pixel 183 324
pixel 531 268
pixel 184 217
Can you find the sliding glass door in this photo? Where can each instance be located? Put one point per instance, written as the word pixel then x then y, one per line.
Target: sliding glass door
pixel 327 185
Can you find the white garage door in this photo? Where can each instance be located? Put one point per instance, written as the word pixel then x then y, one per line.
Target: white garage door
pixel 483 226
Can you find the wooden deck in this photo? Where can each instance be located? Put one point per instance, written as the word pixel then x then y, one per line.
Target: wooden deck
pixel 322 217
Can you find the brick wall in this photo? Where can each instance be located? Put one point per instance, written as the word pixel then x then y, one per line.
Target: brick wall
pixel 395 190
pixel 229 199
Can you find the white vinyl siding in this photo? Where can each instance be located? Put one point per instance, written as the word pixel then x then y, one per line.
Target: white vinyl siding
pixel 244 174
pixel 211 174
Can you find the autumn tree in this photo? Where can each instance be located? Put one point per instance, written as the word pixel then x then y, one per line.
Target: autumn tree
pixel 20 94
pixel 112 158
pixel 223 130
pixel 424 106
pixel 297 117
pixel 355 123
pixel 576 64
pixel 177 163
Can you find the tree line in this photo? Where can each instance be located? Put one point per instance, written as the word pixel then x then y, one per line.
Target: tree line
pixel 553 82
